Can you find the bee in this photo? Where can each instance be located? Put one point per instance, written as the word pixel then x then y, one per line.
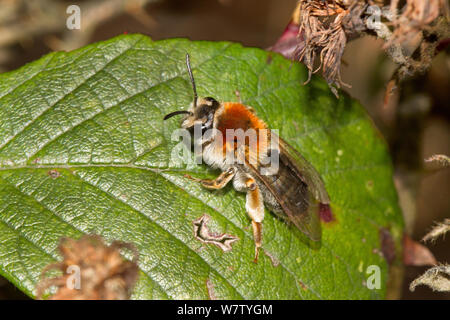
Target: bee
pixel 294 191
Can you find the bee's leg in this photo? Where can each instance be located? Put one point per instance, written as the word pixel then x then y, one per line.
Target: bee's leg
pixel 255 210
pixel 218 183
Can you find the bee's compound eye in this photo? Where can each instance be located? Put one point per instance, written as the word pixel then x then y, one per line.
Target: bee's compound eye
pixel 202 112
pixel 252 186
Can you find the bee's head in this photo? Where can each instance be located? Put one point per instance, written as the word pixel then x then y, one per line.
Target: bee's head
pixel 201 111
pixel 201 114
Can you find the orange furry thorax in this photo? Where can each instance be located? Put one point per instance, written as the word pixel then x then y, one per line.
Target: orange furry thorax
pixel 238 116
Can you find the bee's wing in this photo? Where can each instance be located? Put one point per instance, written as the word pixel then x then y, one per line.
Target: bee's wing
pixel 305 171
pixel 298 189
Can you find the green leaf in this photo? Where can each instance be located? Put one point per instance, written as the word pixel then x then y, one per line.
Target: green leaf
pixel 94 117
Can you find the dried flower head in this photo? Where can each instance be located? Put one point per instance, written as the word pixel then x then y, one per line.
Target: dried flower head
pixel 91 270
pixel 326 27
pixel 411 33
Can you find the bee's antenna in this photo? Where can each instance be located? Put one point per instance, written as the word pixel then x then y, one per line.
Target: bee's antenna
pixel 188 64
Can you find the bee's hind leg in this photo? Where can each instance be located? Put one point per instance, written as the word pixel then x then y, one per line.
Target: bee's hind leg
pixel 255 210
pixel 218 183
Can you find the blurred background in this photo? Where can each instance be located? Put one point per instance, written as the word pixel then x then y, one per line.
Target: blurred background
pixel 415 122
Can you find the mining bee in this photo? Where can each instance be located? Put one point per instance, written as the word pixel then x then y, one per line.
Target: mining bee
pixel 294 191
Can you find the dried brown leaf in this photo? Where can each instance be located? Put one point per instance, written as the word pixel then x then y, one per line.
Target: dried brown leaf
pixel 437 278
pixel 440 229
pixel 103 273
pixel 439 158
